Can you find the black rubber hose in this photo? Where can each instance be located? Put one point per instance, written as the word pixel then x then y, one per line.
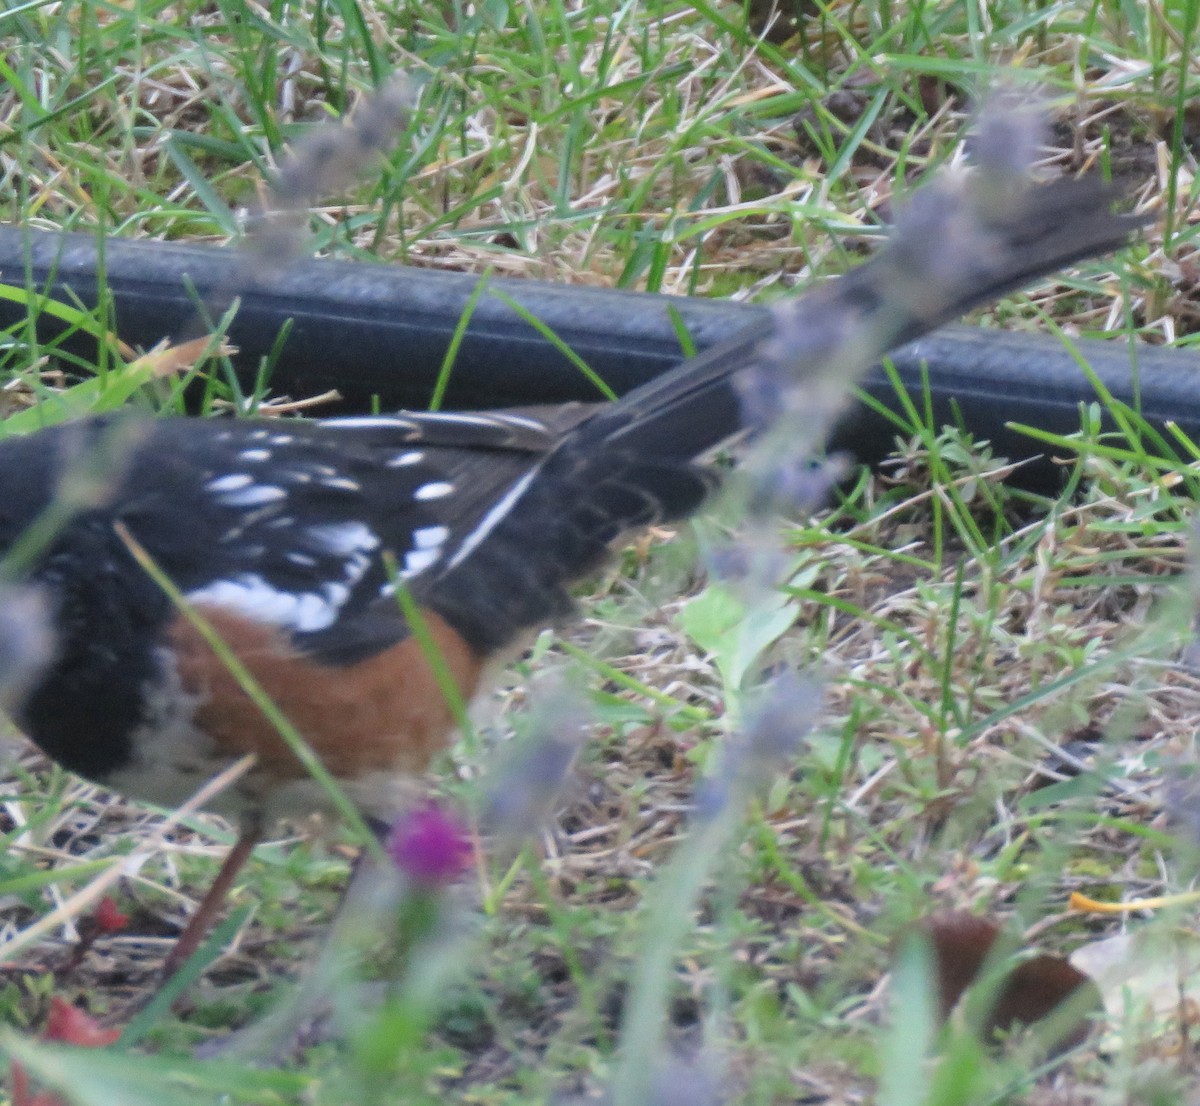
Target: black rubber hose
pixel 379 332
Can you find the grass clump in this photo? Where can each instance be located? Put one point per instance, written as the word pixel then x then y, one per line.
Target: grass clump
pixel 1004 701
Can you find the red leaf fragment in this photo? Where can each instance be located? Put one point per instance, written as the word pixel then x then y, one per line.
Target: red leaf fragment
pixel 73 1026
pixel 108 918
pixel 70 1025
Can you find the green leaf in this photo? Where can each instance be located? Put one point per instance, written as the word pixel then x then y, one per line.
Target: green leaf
pixel 736 633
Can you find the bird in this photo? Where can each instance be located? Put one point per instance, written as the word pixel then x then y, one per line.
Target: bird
pixel 295 541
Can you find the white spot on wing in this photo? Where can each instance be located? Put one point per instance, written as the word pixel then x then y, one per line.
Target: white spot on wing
pixel 412 457
pixel 343 539
pixel 257 495
pixel 371 422
pixel 229 483
pixel 255 455
pixel 437 490
pixel 419 560
pixel 525 421
pixel 430 537
pixel 427 551
pixel 249 594
pixel 342 482
pixel 456 418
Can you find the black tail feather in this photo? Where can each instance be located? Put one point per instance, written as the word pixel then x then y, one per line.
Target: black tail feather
pixel 633 462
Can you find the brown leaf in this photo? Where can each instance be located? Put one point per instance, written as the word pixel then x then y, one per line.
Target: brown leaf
pixel 1034 989
pixel 961 943
pixel 166 360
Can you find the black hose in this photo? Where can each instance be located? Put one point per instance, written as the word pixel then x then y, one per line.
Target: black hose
pixel 378 332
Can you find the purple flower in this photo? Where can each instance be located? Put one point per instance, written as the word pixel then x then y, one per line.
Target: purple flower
pixel 429 846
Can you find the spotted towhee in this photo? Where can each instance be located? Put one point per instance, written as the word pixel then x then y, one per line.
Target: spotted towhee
pixel 293 538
